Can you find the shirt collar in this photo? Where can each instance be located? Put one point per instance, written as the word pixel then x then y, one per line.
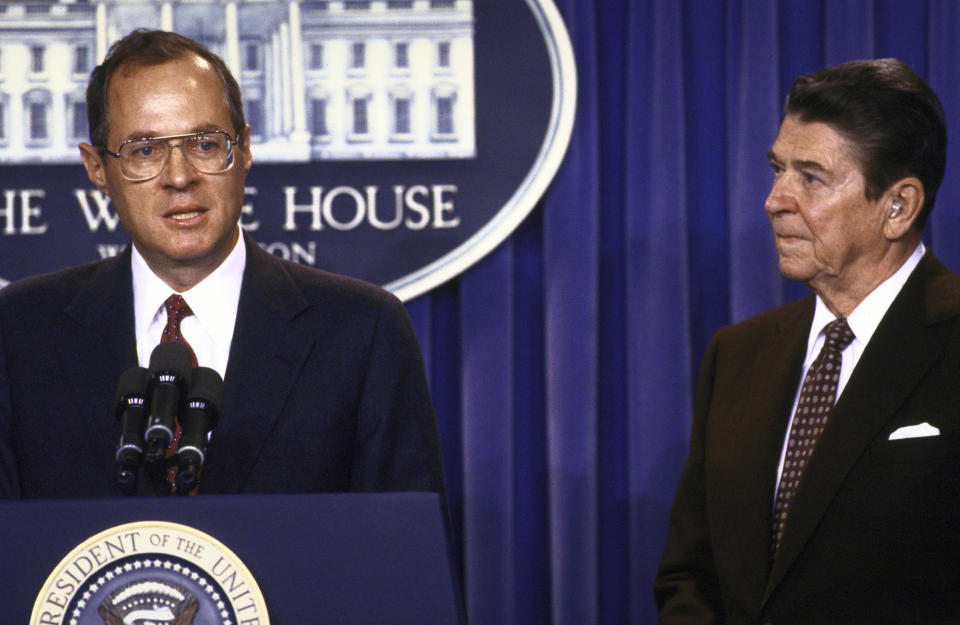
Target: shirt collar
pixel 209 299
pixel 865 318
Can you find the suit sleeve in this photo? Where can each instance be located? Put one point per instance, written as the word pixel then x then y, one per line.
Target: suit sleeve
pixel 686 587
pixel 397 448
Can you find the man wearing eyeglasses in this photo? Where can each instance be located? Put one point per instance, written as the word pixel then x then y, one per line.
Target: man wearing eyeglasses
pixel 324 388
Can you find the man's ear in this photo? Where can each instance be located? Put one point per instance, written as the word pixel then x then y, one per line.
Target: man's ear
pixel 93 163
pixel 246 155
pixel 903 203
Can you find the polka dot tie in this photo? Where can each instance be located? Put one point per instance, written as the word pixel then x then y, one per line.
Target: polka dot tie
pixel 176 309
pixel 817 396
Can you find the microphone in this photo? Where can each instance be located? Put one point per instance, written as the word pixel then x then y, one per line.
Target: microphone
pixel 198 418
pixel 131 412
pixel 170 365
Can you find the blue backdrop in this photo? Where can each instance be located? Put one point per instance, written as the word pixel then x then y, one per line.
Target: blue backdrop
pixel 562 365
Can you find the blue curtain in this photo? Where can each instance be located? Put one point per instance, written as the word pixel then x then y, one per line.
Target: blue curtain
pixel 562 366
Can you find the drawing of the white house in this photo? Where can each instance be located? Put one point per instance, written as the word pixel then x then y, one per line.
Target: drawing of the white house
pixel 321 79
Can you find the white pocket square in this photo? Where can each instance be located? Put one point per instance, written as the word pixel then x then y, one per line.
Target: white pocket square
pixel 915 431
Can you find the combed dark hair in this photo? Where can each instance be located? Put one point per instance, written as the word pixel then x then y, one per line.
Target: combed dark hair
pixel 151 47
pixel 891 118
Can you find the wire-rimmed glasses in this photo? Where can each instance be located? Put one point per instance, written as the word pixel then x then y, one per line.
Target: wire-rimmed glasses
pixel 208 152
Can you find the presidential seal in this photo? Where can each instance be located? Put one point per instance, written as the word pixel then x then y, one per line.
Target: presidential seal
pixel 150 573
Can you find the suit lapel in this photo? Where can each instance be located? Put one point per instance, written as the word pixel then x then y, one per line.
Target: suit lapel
pixel 266 354
pixel 97 345
pixel 761 409
pixel 872 396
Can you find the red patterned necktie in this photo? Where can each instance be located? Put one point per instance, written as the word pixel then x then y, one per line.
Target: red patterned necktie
pixel 176 309
pixel 817 397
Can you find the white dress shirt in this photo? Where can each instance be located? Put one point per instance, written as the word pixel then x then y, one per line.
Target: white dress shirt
pixel 863 322
pixel 214 301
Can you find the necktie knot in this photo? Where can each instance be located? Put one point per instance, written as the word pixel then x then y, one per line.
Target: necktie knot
pixel 838 334
pixel 176 308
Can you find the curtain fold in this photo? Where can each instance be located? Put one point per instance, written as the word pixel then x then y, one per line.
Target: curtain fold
pixel 486 319
pixel 562 366
pixel 570 252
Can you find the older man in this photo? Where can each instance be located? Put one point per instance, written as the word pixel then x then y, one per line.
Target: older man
pixel 324 388
pixel 823 482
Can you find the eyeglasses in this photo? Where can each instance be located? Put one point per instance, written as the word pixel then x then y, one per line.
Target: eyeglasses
pixel 208 152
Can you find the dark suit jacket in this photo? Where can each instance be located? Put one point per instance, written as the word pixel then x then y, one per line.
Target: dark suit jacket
pixel 324 389
pixel 873 534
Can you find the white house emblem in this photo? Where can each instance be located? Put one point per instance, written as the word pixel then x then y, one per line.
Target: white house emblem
pixel 397 141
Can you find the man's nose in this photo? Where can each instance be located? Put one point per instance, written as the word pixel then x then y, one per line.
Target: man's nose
pixel 178 171
pixel 780 197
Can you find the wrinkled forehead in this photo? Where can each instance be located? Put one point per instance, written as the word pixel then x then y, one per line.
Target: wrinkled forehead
pixel 817 142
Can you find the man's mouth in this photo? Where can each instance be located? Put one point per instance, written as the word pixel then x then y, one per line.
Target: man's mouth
pixel 185 216
pixel 787 236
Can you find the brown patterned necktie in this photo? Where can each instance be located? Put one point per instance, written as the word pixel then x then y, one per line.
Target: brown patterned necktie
pixel 817 397
pixel 177 309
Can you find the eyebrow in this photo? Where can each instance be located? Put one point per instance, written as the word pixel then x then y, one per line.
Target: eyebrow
pixel 799 164
pixel 145 134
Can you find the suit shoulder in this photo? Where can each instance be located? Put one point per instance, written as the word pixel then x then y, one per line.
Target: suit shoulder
pixel 325 288
pixel 339 307
pixel 941 289
pixel 760 325
pixel 56 288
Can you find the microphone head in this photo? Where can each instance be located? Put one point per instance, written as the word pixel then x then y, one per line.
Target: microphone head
pixel 170 365
pixel 171 358
pixel 206 386
pixel 132 383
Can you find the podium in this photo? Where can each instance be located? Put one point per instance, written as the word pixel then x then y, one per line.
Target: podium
pixel 338 559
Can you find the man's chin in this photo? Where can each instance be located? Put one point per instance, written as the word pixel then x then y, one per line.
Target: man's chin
pixel 184 256
pixel 792 270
